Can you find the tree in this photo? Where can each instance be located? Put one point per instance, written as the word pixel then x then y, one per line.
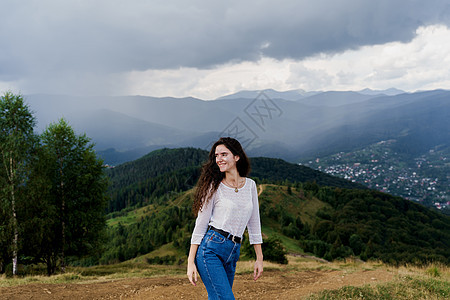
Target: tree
pixel 16 144
pixel 356 244
pixel 77 195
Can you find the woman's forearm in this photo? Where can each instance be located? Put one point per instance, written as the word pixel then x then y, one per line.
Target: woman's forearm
pixel 192 252
pixel 258 251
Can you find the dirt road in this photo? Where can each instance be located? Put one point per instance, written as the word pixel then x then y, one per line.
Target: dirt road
pixel 274 284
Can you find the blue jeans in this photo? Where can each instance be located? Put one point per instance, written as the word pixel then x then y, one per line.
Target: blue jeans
pixel 216 263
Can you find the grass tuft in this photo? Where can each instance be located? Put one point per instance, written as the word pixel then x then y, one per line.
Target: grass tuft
pixel 433 272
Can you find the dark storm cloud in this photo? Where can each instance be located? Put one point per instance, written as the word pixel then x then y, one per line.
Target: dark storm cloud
pixel 100 37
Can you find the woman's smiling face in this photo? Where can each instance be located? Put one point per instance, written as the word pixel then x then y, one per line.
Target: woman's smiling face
pixel 225 158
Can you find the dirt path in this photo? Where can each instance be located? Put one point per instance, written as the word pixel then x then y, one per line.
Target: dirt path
pixel 261 189
pixel 273 285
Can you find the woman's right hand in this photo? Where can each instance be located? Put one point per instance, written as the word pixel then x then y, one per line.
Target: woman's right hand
pixel 192 273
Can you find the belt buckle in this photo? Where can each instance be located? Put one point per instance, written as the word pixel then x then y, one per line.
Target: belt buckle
pixel 233 239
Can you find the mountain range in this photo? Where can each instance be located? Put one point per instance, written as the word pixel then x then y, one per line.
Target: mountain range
pixel 291 125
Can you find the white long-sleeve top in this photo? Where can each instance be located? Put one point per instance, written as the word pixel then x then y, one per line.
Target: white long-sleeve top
pixel 231 212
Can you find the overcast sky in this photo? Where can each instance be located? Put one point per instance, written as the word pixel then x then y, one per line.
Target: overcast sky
pixel 208 49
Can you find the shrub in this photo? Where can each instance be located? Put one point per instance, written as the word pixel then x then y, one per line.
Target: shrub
pixel 272 247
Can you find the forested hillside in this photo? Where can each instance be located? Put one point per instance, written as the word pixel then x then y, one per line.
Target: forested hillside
pixel 153 176
pixel 326 219
pixel 372 224
pixel 278 170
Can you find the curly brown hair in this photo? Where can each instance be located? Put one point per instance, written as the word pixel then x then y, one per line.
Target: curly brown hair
pixel 211 176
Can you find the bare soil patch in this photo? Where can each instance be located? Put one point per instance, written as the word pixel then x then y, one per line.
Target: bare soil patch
pixel 274 284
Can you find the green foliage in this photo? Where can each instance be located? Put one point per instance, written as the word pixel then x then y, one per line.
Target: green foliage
pixel 356 244
pixel 274 251
pixel 154 164
pixel 379 226
pixel 157 227
pixel 272 247
pixel 318 247
pixel 159 173
pixel 69 193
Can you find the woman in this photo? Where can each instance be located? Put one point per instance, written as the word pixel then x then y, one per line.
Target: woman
pixel 226 202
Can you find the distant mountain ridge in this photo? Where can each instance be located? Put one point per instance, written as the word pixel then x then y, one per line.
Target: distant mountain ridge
pixel 292 95
pixel 300 94
pixel 291 129
pixel 387 92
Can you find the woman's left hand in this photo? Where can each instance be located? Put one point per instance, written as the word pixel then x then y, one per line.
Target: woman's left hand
pixel 259 262
pixel 258 269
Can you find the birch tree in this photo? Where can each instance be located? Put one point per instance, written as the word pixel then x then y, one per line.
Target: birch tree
pixel 16 141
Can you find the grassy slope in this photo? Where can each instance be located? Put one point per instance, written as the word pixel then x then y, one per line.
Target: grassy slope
pixel 131 216
pixel 295 202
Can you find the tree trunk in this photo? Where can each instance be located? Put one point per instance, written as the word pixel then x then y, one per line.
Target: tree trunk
pixel 51 264
pixel 63 224
pixel 14 215
pixel 16 235
pixel 49 268
pixel 63 259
